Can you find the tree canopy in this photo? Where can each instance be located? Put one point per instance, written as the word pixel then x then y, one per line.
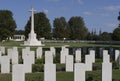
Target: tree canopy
pixel 78 28
pixel 116 34
pixel 7 24
pixel 42 26
pixel 19 32
pixel 61 29
pixel 105 36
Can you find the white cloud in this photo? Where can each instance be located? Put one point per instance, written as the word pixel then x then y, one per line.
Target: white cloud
pixel 110 24
pixel 80 1
pixel 88 13
pixel 112 8
pixel 95 14
pixel 45 11
pixel 104 14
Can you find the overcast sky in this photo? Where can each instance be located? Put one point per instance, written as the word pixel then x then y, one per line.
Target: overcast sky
pixel 97 14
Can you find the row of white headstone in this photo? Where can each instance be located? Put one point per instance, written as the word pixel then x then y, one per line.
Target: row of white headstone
pixel 79 68
pixel 13 54
pixel 28 57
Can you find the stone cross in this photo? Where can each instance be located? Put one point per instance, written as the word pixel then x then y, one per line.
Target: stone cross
pixel 32 20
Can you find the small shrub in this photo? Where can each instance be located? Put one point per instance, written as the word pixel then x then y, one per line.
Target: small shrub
pixel 37 68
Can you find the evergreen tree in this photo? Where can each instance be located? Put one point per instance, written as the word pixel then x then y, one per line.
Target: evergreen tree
pixel 7 24
pixel 61 29
pixel 105 36
pixel 19 32
pixel 42 26
pixel 77 27
pixel 116 34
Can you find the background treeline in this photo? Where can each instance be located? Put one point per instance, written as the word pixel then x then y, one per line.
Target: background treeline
pixel 73 29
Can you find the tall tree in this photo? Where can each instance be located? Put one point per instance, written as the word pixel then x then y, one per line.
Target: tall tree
pixel 116 34
pixel 105 36
pixel 42 26
pixel 78 29
pixel 7 24
pixel 19 32
pixel 61 29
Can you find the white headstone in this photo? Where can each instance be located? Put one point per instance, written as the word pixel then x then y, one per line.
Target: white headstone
pixel 0 56
pixel 49 72
pixel 28 60
pixel 117 54
pixel 2 49
pixel 27 48
pixel 88 62
pixel 63 47
pixel 79 72
pixel 18 73
pixel 48 57
pixel 92 53
pixel 69 63
pixel 39 52
pixel 52 49
pixel 106 57
pixel 25 52
pixel 27 65
pixel 9 52
pixel 78 56
pixel 106 67
pixel 5 64
pixel 32 57
pixel 15 48
pixel 63 55
pixel 15 57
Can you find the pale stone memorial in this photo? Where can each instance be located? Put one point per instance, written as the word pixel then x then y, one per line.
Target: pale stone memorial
pixel 106 67
pixel 79 72
pixel 0 56
pixel 88 62
pixel 39 52
pixel 49 72
pixel 117 55
pixel 2 49
pixel 25 51
pixel 5 64
pixel 106 57
pixel 27 64
pixel 78 56
pixel 15 57
pixel 32 57
pixel 18 73
pixel 32 40
pixel 69 63
pixel 10 52
pixel 92 53
pixel 48 57
pixel 52 49
pixel 15 48
pixel 64 52
pixel 28 60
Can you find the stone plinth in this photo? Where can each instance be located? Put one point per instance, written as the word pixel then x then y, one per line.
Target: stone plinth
pixel 32 40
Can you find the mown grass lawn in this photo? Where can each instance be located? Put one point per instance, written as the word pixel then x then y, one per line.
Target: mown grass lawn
pixel 62 76
pixel 49 44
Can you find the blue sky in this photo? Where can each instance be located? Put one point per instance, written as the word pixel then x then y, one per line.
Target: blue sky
pixel 97 14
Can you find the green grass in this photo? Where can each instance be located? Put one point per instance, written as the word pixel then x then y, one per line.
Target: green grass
pixel 62 76
pixel 73 44
pixel 65 76
pixel 5 77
